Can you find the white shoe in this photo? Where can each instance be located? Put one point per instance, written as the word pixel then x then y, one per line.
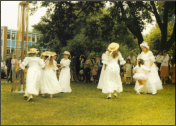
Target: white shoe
pixel 138 92
pixel 109 96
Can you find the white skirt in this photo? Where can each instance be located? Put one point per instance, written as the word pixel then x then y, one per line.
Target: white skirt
pixel 140 76
pixel 33 81
pixel 64 80
pixel 112 79
pixel 101 79
pixel 50 84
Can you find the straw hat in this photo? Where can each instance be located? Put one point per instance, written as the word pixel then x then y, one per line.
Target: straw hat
pixel 33 50
pixel 53 53
pixel 66 52
pixel 145 44
pixel 113 46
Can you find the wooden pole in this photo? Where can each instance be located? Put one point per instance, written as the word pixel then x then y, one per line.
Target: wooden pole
pixel 22 48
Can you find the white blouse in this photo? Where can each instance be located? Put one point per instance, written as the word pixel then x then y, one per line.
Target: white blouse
pixel 106 58
pixel 65 63
pixel 159 58
pixel 165 60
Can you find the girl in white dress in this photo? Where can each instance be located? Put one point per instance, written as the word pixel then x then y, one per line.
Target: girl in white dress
pixel 50 82
pixel 140 74
pixel 33 73
pixel 128 67
pixel 64 77
pixel 153 83
pixel 112 81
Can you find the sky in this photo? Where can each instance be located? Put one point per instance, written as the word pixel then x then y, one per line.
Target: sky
pixel 9 14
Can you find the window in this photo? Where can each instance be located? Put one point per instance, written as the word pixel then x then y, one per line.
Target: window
pixel 8 52
pixel 13 36
pixel 29 38
pixel 8 35
pixel 38 38
pixel 33 38
pixel 13 51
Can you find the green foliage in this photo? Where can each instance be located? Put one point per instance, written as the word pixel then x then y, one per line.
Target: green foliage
pixel 154 39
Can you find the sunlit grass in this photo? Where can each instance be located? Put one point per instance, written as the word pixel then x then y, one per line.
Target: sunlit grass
pixel 86 105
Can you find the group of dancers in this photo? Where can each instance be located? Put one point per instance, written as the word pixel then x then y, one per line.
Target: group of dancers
pixel 41 74
pixel 145 72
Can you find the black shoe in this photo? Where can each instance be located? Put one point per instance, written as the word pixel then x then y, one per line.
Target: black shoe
pixel 25 97
pixel 108 97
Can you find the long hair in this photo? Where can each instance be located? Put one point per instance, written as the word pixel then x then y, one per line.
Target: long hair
pixel 115 54
pixel 140 62
pixel 50 61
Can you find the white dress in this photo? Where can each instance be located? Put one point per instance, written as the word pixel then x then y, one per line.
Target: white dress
pixel 112 80
pixel 50 83
pixel 64 77
pixel 153 83
pixel 141 72
pixel 33 74
pixel 101 79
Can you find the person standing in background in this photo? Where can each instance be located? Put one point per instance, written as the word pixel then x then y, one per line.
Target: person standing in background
pixel 164 67
pixel 9 66
pixel 128 67
pixel 73 68
pixel 132 60
pixel 159 58
pixel 13 62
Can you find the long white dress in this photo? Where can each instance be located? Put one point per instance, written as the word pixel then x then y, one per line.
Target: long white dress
pixel 101 79
pixel 153 83
pixel 33 74
pixel 50 83
pixel 64 77
pixel 112 80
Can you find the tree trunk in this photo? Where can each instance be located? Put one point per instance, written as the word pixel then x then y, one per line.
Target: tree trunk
pixel 135 31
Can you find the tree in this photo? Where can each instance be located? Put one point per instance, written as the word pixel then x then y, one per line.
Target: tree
pixel 168 10
pixel 133 14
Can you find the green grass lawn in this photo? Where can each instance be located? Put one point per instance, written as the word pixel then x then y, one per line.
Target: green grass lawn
pixel 86 105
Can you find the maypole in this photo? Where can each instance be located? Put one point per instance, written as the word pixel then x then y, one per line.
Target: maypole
pixel 21 23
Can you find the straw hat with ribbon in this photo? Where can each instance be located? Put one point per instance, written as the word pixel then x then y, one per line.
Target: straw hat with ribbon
pixel 113 47
pixel 33 50
pixel 66 52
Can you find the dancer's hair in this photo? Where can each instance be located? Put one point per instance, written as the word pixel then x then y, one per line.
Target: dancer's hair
pixel 50 61
pixel 140 62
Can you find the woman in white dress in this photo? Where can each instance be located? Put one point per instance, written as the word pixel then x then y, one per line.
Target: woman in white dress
pixel 112 81
pixel 153 83
pixel 64 77
pixel 50 82
pixel 42 56
pixel 33 73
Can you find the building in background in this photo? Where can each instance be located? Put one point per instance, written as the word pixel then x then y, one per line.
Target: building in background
pixel 9 40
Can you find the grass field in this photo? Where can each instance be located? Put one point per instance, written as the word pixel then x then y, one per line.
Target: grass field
pixel 86 105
